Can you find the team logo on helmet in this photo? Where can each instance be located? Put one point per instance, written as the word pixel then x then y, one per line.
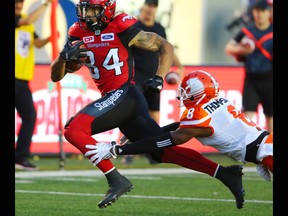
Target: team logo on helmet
pixel 197 87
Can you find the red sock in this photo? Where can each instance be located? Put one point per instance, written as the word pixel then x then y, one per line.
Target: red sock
pixel 79 139
pixel 268 162
pixel 189 158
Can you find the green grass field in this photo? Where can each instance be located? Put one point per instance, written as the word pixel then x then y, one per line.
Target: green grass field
pixel 179 194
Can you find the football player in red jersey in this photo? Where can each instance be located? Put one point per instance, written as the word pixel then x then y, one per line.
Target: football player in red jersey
pixel 110 41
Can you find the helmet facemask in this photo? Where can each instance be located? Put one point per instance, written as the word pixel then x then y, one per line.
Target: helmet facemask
pixel 90 15
pixel 192 92
pixel 95 14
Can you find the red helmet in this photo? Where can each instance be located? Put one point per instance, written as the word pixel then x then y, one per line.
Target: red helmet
pixel 197 87
pixel 106 11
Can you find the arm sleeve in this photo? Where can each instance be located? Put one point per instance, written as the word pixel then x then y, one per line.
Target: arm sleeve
pixel 147 145
pixel 171 127
pixel 128 34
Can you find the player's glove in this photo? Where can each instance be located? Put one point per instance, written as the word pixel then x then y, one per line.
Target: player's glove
pixel 154 85
pixel 101 151
pixel 73 52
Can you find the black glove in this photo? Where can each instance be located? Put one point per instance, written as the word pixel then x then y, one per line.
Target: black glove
pixel 154 85
pixel 73 52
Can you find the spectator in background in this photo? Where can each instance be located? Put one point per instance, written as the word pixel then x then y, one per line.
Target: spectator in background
pixel 246 16
pixel 270 2
pixel 146 64
pixel 250 7
pixel 25 40
pixel 253 45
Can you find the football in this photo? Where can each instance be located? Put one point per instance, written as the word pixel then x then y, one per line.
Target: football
pixel 247 42
pixel 172 78
pixel 74 65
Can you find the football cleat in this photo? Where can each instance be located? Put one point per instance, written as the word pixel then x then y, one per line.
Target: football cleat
pixel 116 189
pixel 232 178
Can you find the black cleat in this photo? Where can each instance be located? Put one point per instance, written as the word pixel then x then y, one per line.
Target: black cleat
pixel 25 165
pixel 231 176
pixel 116 189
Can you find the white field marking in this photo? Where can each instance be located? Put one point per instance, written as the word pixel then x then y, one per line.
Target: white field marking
pixel 24 181
pixel 153 171
pixel 250 173
pixel 73 179
pixel 144 197
pixel 153 178
pixel 146 178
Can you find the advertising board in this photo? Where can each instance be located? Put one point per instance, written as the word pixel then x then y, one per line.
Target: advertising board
pixel 78 89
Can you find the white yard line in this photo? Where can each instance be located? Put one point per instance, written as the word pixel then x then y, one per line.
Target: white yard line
pixel 143 197
pixel 96 172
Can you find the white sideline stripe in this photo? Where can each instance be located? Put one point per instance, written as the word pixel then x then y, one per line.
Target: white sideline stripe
pixel 96 172
pixel 144 197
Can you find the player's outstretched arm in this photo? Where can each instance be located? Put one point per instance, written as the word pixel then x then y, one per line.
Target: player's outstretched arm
pixel 102 151
pixel 168 139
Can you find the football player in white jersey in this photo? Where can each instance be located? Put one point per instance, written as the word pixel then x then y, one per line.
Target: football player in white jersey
pixel 214 121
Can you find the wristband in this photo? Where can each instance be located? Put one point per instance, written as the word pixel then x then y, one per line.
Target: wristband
pixel 164 140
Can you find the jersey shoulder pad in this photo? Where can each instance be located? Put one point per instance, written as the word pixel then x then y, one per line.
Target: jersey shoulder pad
pixel 76 31
pixel 124 21
pixel 73 27
pixel 197 117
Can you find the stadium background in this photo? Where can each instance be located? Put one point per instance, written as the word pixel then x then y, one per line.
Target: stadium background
pixel 197 29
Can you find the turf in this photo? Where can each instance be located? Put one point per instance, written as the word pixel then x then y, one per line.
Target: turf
pixel 153 194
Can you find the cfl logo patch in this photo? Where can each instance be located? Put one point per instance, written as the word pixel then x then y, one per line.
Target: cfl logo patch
pixel 88 39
